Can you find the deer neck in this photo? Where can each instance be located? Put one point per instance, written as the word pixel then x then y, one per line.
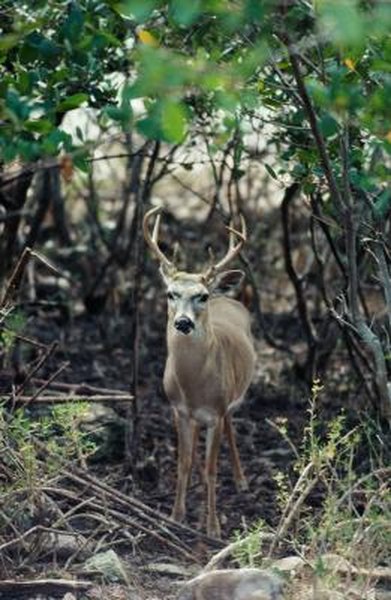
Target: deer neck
pixel 191 352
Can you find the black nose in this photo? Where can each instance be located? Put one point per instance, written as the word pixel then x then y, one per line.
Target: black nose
pixel 184 324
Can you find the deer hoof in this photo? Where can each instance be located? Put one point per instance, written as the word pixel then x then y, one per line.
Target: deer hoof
pixel 242 485
pixel 177 514
pixel 213 529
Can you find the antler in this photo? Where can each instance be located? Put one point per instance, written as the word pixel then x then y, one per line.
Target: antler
pixel 233 249
pixel 153 241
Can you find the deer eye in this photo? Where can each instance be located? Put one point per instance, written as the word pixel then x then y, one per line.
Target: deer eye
pixel 203 298
pixel 172 295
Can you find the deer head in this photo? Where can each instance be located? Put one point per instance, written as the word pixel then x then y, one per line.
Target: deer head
pixel 188 293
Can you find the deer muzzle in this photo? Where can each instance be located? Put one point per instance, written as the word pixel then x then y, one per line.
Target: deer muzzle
pixel 184 324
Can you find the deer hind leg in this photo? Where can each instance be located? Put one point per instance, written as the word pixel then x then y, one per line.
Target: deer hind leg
pixel 184 433
pixel 213 440
pixel 239 477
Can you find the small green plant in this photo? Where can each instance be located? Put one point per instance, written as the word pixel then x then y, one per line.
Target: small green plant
pixel 69 439
pixel 11 326
pixel 23 437
pixel 353 501
pixel 247 548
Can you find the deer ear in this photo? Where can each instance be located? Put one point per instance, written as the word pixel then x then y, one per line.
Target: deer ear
pixel 227 281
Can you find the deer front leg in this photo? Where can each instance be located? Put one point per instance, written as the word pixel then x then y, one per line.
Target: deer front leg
pixel 213 440
pixel 239 477
pixel 184 432
pixel 196 463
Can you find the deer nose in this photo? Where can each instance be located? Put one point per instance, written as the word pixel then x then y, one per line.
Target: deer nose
pixel 184 324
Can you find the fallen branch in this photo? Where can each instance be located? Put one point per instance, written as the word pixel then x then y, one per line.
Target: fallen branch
pixel 42 586
pixel 43 387
pixel 79 388
pixel 73 398
pixel 220 556
pixel 34 370
pixel 22 338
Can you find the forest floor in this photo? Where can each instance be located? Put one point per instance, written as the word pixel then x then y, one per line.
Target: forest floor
pixel 98 352
pixel 105 363
pixel 98 349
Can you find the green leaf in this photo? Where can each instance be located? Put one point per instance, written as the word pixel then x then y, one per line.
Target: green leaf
pixel 255 10
pixel 9 152
pixel 121 114
pixel 16 104
pixel 7 42
pixel 329 126
pixel 56 140
pixel 382 205
pixel 173 121
pixel 150 128
pixel 28 150
pixel 185 13
pixel 26 81
pixel 74 25
pixel 39 126
pixel 80 160
pixel 114 113
pixel 72 102
pixel 39 46
pixel 137 9
pixel 342 21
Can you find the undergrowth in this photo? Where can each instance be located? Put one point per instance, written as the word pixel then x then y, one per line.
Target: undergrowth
pixel 336 500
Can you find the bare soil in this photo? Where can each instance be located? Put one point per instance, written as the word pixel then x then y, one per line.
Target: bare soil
pixel 98 347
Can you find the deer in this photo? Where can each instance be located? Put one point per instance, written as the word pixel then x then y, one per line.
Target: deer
pixel 210 362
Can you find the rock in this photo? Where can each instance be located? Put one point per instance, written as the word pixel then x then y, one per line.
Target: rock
pixel 109 565
pixel 290 565
pixel 171 569
pixel 66 544
pixel 335 562
pixel 234 584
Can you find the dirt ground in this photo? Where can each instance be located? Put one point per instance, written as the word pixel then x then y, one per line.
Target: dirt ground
pixel 99 354
pixel 98 348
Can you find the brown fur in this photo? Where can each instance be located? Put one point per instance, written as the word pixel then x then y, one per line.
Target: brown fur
pixel 207 374
pixel 222 359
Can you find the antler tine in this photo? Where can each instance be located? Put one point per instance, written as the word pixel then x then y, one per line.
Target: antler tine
pixel 156 227
pixel 233 249
pixel 153 241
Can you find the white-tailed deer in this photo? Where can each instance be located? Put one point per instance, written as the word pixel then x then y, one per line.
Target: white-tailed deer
pixel 209 365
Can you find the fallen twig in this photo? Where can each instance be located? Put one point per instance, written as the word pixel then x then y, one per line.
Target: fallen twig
pixel 152 518
pixel 36 394
pixel 220 556
pixel 21 338
pixel 79 388
pixel 45 586
pixel 73 398
pixel 29 375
